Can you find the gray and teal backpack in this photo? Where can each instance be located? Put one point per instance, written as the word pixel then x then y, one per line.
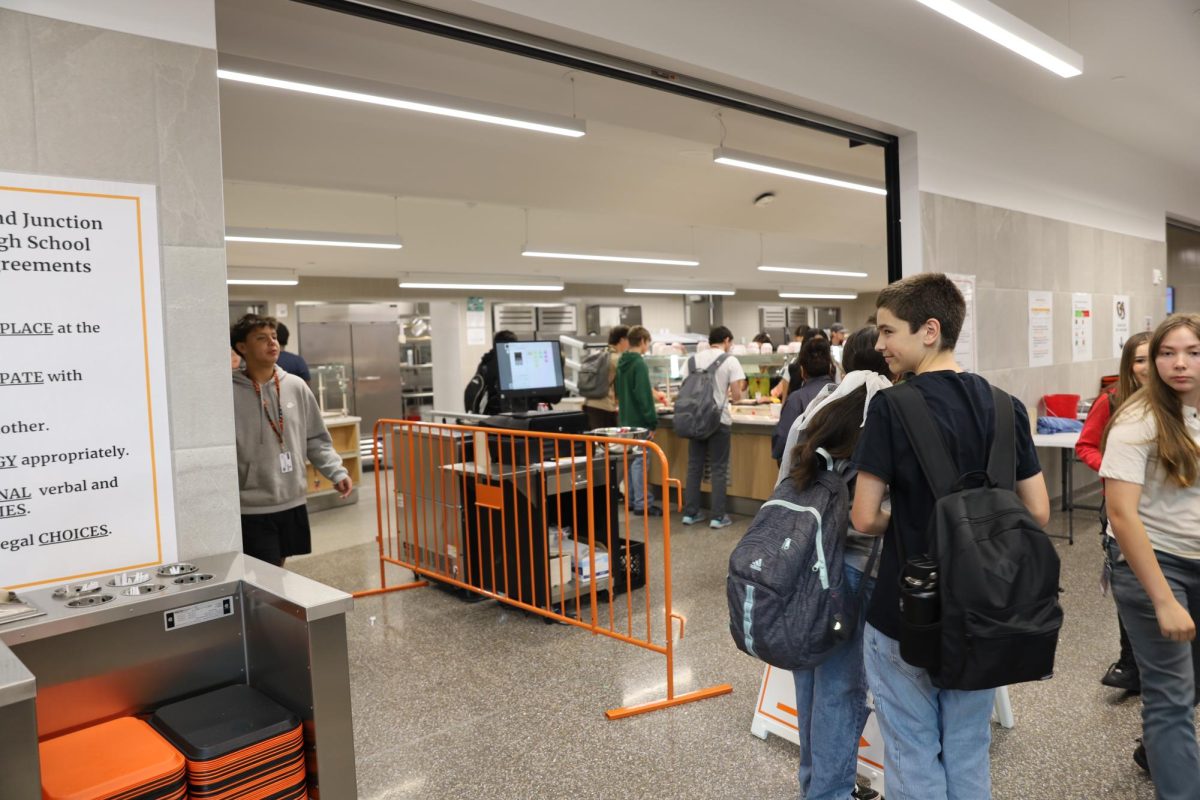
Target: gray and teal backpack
pixel 788 602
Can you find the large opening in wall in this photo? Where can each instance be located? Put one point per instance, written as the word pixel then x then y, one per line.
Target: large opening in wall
pixel 469 200
pixel 1183 267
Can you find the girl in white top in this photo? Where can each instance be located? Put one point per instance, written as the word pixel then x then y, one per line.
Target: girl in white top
pixel 1151 469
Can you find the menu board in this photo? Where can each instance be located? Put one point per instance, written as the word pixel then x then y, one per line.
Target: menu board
pixel 85 459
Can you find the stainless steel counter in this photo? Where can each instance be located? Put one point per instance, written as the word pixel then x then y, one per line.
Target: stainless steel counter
pixel 232 619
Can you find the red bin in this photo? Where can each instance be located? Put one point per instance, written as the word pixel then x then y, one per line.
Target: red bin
pixel 1061 405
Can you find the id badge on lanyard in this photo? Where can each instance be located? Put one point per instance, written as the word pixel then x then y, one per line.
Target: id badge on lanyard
pixel 285 462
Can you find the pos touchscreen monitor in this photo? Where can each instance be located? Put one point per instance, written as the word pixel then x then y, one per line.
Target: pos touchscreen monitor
pixel 529 369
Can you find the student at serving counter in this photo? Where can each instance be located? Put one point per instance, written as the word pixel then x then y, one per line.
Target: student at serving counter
pixel 813 372
pixel 277 424
pixel 635 408
pixel 728 384
pixel 602 411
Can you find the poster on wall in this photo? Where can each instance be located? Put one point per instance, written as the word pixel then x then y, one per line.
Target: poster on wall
pixel 1041 329
pixel 85 455
pixel 1081 326
pixel 476 321
pixel 1122 322
pixel 965 350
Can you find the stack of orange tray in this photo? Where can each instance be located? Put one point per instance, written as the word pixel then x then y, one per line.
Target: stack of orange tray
pixel 238 743
pixel 123 759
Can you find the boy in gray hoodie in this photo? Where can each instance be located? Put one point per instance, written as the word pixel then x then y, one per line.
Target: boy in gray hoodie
pixel 278 424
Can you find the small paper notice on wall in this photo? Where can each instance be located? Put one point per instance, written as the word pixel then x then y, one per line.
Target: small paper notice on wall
pixel 1041 329
pixel 1122 322
pixel 1081 326
pixel 476 336
pixel 965 351
pixel 281 310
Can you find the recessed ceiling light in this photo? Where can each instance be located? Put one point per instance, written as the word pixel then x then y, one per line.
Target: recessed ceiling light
pixel 316 238
pixel 817 296
pixel 484 283
pixel 791 169
pixel 344 87
pixel 639 287
pixel 989 20
pixel 261 276
pixel 814 271
pixel 629 258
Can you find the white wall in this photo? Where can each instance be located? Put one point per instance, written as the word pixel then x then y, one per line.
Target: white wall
pixel 974 140
pixel 191 22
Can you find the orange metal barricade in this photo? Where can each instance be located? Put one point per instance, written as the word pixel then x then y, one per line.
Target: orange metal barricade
pixel 532 520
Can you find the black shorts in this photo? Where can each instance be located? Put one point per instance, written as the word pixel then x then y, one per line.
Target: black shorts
pixel 273 537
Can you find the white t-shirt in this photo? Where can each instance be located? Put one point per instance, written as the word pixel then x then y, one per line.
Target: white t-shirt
pixel 1170 512
pixel 729 371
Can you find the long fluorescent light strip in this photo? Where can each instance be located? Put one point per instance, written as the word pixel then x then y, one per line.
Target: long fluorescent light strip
pixel 1006 30
pixel 320 242
pixel 263 282
pixel 500 287
pixel 698 290
pixel 816 296
pixel 395 102
pixel 808 271
pixel 734 158
pixel 622 259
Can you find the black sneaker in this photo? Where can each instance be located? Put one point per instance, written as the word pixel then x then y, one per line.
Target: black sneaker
pixel 864 793
pixel 1139 757
pixel 1123 675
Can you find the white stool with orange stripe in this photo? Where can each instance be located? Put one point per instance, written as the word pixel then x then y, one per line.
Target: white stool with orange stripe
pixel 776 713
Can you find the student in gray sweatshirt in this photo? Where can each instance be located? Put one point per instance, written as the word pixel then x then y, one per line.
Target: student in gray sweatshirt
pixel 278 425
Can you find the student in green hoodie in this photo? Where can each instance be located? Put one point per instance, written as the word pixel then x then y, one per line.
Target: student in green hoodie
pixel 635 409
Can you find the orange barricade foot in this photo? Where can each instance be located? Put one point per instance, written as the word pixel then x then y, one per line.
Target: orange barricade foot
pixel 390 589
pixel 690 697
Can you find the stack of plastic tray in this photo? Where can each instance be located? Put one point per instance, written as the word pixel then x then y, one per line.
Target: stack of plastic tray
pixel 123 759
pixel 238 744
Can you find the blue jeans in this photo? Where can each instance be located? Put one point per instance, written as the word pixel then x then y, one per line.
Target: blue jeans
pixel 831 710
pixel 935 741
pixel 1168 671
pixel 634 482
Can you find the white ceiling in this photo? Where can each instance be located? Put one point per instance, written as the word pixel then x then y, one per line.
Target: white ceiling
pixel 459 193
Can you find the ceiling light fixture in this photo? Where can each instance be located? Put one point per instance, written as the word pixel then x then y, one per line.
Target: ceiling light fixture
pixel 320 238
pixel 817 296
pixel 497 283
pixel 791 169
pixel 630 258
pixel 725 289
pixel 344 87
pixel 813 271
pixel 255 276
pixel 988 19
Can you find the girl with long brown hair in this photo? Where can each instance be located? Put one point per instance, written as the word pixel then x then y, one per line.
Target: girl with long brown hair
pixel 1151 468
pixel 1133 374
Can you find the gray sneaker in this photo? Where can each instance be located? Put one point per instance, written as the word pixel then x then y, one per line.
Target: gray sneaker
pixel 693 520
pixel 722 522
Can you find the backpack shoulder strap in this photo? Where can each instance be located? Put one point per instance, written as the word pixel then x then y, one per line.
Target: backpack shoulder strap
pixel 936 460
pixel 1002 461
pixel 716 365
pixel 691 365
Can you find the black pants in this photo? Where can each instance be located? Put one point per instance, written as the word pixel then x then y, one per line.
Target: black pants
pixel 273 537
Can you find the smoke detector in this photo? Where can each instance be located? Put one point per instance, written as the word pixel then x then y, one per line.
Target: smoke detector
pixel 765 199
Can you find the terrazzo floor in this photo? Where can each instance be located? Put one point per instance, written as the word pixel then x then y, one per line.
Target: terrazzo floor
pixel 477 700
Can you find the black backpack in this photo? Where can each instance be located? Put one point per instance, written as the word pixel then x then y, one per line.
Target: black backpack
pixel 475 396
pixel 998 571
pixel 788 602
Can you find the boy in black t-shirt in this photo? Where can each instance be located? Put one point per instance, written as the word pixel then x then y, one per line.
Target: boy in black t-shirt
pixel 935 741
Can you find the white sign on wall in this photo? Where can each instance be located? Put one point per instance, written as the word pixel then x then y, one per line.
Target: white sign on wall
pixel 85 456
pixel 965 352
pixel 1081 326
pixel 1122 322
pixel 1041 329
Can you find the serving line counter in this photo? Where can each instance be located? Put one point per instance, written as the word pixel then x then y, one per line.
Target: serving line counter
pixel 127 643
pixel 752 471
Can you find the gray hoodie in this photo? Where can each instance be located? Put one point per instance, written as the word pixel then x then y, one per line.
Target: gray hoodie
pixel 264 488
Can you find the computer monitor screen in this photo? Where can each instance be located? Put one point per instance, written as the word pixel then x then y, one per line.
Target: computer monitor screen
pixel 529 368
pixel 1170 299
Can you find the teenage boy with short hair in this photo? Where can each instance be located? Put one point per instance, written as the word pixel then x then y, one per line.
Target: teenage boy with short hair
pixel 935 741
pixel 602 411
pixel 728 384
pixel 277 424
pixel 635 408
